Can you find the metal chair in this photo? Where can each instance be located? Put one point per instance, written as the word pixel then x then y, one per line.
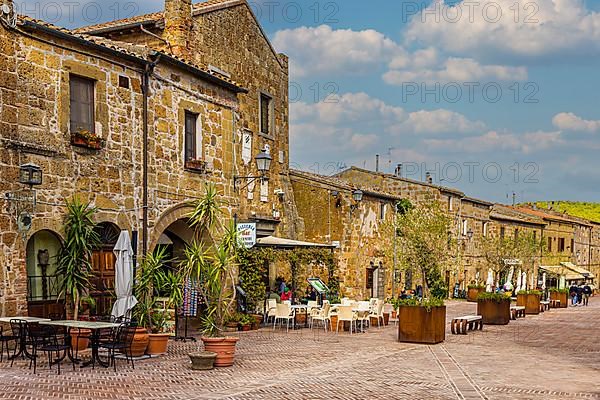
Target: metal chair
pixel 19 329
pixel 49 340
pixel 121 341
pixel 6 339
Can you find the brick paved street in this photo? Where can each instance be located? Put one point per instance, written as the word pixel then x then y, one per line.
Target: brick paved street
pixel 555 355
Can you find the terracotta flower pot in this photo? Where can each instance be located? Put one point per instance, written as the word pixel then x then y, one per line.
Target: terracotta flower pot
pixel 246 328
pixel 140 343
pixel 257 321
pixel 157 343
pixel 386 318
pixel 417 325
pixel 224 347
pixel 472 293
pixel 80 339
pixel 202 360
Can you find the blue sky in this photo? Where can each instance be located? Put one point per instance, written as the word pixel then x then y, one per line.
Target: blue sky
pixel 380 77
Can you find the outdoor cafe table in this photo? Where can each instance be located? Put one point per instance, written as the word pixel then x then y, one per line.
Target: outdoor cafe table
pixel 95 327
pixel 23 334
pixel 301 307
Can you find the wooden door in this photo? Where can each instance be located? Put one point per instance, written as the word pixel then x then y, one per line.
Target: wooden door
pixel 103 281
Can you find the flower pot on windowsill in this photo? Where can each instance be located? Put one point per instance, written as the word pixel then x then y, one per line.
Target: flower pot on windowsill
pixel 91 142
pixel 196 165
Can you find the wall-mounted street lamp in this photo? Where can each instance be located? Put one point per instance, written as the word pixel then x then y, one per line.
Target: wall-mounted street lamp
pixel 263 164
pixel 30 174
pixel 470 234
pixel 357 196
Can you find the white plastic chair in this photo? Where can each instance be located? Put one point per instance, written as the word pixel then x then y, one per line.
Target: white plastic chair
pixel 364 310
pixel 284 312
pixel 389 309
pixel 378 313
pixel 270 309
pixel 345 313
pixel 345 301
pixel 323 315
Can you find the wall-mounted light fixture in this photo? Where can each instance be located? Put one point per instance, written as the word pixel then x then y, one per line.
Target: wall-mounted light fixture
pixel 263 165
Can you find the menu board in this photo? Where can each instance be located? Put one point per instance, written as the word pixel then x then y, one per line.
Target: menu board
pixel 318 284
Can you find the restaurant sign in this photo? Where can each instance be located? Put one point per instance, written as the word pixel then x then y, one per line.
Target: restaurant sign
pixel 247 234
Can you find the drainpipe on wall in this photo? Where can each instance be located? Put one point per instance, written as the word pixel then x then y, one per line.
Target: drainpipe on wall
pixel 146 94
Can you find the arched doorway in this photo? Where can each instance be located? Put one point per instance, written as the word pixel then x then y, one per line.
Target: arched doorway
pixel 43 285
pixel 103 269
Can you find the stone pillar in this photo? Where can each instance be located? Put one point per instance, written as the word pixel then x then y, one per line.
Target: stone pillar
pixel 178 25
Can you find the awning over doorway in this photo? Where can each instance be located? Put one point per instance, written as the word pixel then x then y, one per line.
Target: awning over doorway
pixel 272 241
pixel 560 270
pixel 582 271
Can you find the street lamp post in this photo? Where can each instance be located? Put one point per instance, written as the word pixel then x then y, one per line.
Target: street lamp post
pixel 263 165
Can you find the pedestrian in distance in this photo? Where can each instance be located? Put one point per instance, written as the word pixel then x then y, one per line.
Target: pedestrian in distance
pixel 587 292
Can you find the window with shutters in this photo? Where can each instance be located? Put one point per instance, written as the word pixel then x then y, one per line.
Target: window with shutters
pixel 550 244
pixel 561 245
pixel 191 121
pixel 82 104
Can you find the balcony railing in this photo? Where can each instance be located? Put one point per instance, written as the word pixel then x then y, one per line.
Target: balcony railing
pixel 41 288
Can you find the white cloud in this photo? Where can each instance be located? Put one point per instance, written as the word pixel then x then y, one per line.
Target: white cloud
pixel 525 30
pixel 572 122
pixel 438 121
pixel 324 50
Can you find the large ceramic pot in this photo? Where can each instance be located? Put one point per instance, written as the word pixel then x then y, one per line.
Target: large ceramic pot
pixel 224 347
pixel 563 297
pixel 257 321
pixel 531 302
pixel 386 318
pixel 80 339
pixel 493 312
pixel 473 292
pixel 157 343
pixel 202 360
pixel 139 343
pixel 418 325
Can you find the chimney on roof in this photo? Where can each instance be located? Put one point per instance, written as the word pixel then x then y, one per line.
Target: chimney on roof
pixel 178 25
pixel 377 163
pixel 429 178
pixel 398 171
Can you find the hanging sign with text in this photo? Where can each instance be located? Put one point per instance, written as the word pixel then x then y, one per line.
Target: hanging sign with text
pixel 247 234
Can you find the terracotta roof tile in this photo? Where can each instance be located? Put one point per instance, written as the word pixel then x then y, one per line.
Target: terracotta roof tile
pixel 156 17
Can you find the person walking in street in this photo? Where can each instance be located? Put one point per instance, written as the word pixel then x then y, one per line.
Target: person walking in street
pixel 573 294
pixel 579 295
pixel 587 292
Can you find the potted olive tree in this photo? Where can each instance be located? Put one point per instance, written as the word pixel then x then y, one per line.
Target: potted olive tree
pixel 494 308
pixel 426 244
pixel 210 261
pixel 74 262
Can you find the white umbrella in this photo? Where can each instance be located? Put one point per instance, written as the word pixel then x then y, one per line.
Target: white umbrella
pixel 524 279
pixel 519 281
pixel 508 284
pixel 123 276
pixel 544 281
pixel 490 281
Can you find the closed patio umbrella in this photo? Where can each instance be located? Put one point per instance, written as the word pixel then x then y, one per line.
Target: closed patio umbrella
pixel 123 276
pixel 519 281
pixel 544 281
pixel 490 281
pixel 508 284
pixel 524 279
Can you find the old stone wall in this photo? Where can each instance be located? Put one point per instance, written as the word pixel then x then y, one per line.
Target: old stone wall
pixel 34 121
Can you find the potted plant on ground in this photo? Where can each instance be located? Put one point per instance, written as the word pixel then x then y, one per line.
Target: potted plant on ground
pixel 423 233
pixel 473 291
pixel 210 261
pixel 530 299
pixel 560 294
pixel 74 262
pixel 153 280
pixel 494 308
pixel 246 322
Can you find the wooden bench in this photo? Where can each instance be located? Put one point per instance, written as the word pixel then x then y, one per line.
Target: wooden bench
pixel 544 305
pixel 470 322
pixel 554 303
pixel 517 312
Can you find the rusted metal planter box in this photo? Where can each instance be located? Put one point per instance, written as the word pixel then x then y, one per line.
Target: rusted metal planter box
pixel 472 294
pixel 417 325
pixel 563 297
pixel 493 312
pixel 531 302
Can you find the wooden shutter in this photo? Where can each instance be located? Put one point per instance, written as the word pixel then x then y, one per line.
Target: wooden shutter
pixel 82 104
pixel 190 135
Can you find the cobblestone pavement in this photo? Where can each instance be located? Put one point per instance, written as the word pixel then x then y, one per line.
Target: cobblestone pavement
pixel 555 355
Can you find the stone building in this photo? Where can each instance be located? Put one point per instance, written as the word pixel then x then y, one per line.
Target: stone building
pixel 225 37
pixel 137 131
pixel 361 230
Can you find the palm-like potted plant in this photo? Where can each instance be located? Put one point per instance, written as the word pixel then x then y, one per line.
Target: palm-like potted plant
pixel 74 262
pixel 153 280
pixel 210 261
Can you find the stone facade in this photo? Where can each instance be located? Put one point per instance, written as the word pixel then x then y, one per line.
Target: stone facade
pixel 226 36
pixel 34 121
pixel 363 231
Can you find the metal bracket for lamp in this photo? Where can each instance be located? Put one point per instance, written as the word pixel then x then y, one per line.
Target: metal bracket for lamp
pixel 237 179
pixel 263 164
pixel 357 196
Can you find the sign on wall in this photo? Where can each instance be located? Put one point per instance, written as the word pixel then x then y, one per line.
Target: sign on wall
pixel 247 233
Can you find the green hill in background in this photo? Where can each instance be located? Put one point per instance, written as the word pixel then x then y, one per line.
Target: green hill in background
pixel 589 211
